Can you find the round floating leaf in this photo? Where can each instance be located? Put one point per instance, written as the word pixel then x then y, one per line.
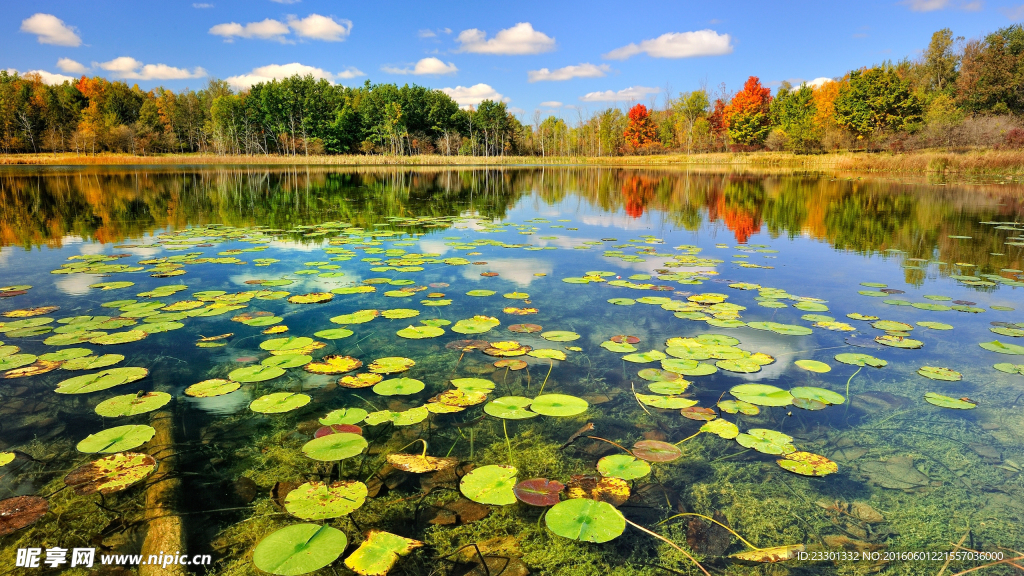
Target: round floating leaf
pixel 279 402
pixel 511 364
pixel 762 395
pixel 311 298
pixel 212 387
pixel 288 344
pixel 560 336
pixel 538 491
pixel 473 384
pixel 808 464
pixel 475 325
pixel 333 333
pixel 903 342
pixel 404 418
pixel 698 413
pixel 359 380
pixel 481 293
pixel 935 325
pixel 742 365
pixel 419 464
pixel 558 405
pixel 66 354
pixel 548 353
pixel 379 553
pixel 644 357
pixel 16 361
pixel 936 373
pixel 38 367
pixel 948 402
pixel 860 360
pixel 344 416
pixel 420 332
pixel 132 404
pixel 699 370
pixel 119 337
pixel 766 441
pixel 721 428
pixel 813 366
pixel 892 325
pixel 287 360
pixel 665 402
pixel 525 328
pixel 335 446
pixel 400 313
pixel 1009 368
pixel 299 549
pixel 358 317
pixel 817 394
pixel 318 501
pixel 491 484
pixel 738 406
pixel 517 295
pixel 111 473
pixel 614 491
pixel 622 301
pixel 510 408
pixel 669 387
pixel 399 387
pixel 391 365
pixel 256 373
pixel 21 511
pixel 100 380
pixel 117 439
pixel 623 466
pixel 656 451
pixel 997 346
pixel 585 520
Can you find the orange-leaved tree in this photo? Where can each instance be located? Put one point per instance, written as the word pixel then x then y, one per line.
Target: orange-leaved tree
pixel 641 130
pixel 747 115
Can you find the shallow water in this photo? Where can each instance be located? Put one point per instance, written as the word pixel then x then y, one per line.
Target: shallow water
pixel 911 476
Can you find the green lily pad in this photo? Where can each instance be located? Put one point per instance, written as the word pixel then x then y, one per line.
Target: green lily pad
pixel 119 337
pixel 279 402
pixel 559 405
pixel 936 373
pixel 391 365
pixel 860 360
pixel 762 395
pixel 255 373
pixel 738 406
pixel 65 354
pixel 808 464
pixel 547 353
pixel 420 332
pixel 901 342
pixel 666 402
pixel 333 333
pixel 892 325
pixel 492 484
pixel 111 474
pixel 319 501
pixel 822 395
pixel 211 388
pixel 16 361
pixel 475 325
pixel 132 404
pixel 398 387
pixel 813 366
pixel 1010 368
pixel 517 295
pixel 585 520
pixel 285 344
pixel 934 325
pixel 623 466
pixel 721 428
pixel 510 408
pixel 335 446
pixel 473 384
pixel 699 370
pixel 644 357
pixel 379 553
pixel 117 439
pixel 360 317
pixel 741 365
pixel 400 313
pixel 622 301
pixel 403 418
pixel 287 360
pixel 100 380
pixel 263 321
pixel 931 306
pixel 481 293
pixel 344 416
pixel 299 549
pixel 669 388
pixel 436 322
pixel 948 402
pixel 560 336
pixel 1004 331
pixel 618 347
pixel 766 441
pixel 1000 347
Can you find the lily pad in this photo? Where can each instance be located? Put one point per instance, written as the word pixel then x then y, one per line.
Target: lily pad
pixel 492 484
pixel 391 365
pixel 101 380
pixel 66 354
pixel 335 364
pixel 111 474
pixel 132 404
pixel 559 405
pixel 721 428
pixel 903 342
pixel 333 333
pixel 475 325
pixel 21 511
pixel 644 357
pixel 473 384
pixel 860 360
pixel 211 388
pixel 319 501
pixel 808 464
pixel 344 416
pixel 117 439
pixel 255 373
pixel 538 491
pixel 742 365
pixel 119 337
pixel 817 394
pixel 738 406
pixel 548 353
pixel 420 464
pixel 766 441
pixel 420 332
pixel 623 466
pixel 560 336
pixel 762 395
pixel 585 520
pixel 813 366
pixel 1000 347
pixel 948 402
pixel 335 447
pixel 1010 368
pixel 379 553
pixel 399 387
pixel 666 402
pixel 656 451
pixel 299 549
pixel 510 408
pixel 288 344
pixel 699 413
pixel 936 373
pixel 279 402
pixel 935 325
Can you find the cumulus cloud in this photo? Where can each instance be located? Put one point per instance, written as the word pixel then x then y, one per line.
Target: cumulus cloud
pixel 426 66
pixel 677 45
pixel 624 95
pixel 268 29
pixel 428 33
pixel 71 67
pixel 551 104
pixel 568 73
pixel 281 71
pixel 519 39
pixel 317 27
pixel 818 82
pixel 46 77
pixel 466 96
pixel 50 30
pixel 129 68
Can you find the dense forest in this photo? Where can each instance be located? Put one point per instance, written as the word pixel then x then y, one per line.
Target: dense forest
pixel 959 94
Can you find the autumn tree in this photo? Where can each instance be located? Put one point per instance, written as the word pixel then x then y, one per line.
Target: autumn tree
pixel 748 115
pixel 875 100
pixel 992 73
pixel 641 130
pixel 793 112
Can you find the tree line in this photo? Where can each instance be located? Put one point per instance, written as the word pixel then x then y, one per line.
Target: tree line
pixel 957 94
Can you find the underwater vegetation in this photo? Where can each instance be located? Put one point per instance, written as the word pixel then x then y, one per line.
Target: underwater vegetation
pixel 454 394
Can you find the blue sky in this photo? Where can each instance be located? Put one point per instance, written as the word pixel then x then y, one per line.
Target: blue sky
pixel 535 55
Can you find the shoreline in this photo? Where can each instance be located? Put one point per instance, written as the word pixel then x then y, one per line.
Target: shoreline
pixel 989 162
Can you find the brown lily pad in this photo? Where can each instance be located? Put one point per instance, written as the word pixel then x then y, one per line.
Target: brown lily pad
pixel 34 369
pixel 538 491
pixel 419 464
pixel 614 491
pixel 656 451
pixel 467 345
pixel 21 511
pixel 525 328
pixel 623 339
pixel 699 413
pixel 511 364
pixel 337 429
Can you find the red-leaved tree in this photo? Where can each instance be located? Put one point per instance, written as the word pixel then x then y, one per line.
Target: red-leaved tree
pixel 641 130
pixel 747 115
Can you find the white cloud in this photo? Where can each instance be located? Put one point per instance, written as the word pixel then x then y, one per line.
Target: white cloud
pixel 926 5
pixel 624 95
pixel 71 67
pixel 129 68
pixel 519 39
pixel 516 110
pixel 677 45
pixel 473 95
pixel 551 104
pixel 281 71
pixel 46 77
pixel 268 29
pixel 567 73
pixel 319 27
pixel 50 30
pixel 819 82
pixel 424 67
pixel 201 5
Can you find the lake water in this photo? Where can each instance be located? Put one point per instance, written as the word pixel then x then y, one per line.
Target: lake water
pixel 833 363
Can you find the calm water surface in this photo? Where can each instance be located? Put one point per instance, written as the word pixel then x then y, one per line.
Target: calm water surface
pixel 752 275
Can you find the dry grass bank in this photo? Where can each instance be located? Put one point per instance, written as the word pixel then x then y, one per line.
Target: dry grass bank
pixel 972 162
